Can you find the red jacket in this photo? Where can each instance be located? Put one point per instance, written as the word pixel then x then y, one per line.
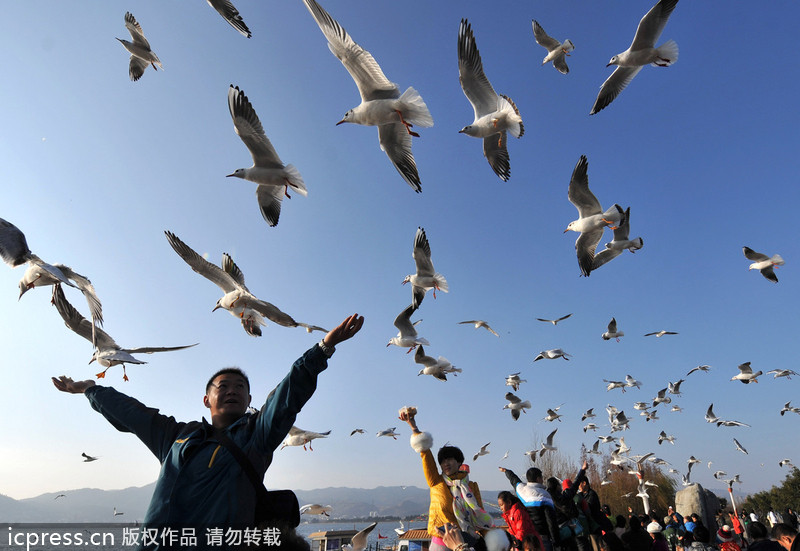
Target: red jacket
pixel 520 524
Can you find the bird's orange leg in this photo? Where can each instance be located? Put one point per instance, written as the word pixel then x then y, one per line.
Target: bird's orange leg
pixel 408 125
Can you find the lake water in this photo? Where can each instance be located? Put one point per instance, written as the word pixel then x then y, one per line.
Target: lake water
pixel 119 537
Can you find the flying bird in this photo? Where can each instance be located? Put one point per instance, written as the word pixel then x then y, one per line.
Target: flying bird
pixel 552 354
pixel 228 12
pixel 552 415
pixel 659 334
pixel 268 171
pixel 663 437
pixel 588 415
pixel 763 263
pixel 389 432
pixel 547 445
pixel 117 513
pixel 746 374
pixel 614 384
pixel 641 52
pixel 516 405
pixel 555 321
pixel 612 332
pixel 359 541
pixel 15 252
pixel 661 398
pixel 782 373
pixel 141 54
pixel 359 431
pixel 739 447
pixel 675 388
pixel 480 323
pixel 495 115
pixel 710 417
pixel 382 105
pixel 592 220
pixel 59 495
pixel 300 437
pixel 556 51
pixel 483 451
pixel 407 333
pixel 631 382
pixel 699 368
pixel 619 244
pixel 107 352
pixel 238 299
pixel 514 381
pixel 88 458
pixel 426 277
pixel 788 407
pixel 438 368
pixel 786 463
pixel 590 426
pixel 316 509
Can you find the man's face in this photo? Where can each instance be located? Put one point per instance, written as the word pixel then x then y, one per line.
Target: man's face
pixel 786 542
pixel 227 397
pixel 449 466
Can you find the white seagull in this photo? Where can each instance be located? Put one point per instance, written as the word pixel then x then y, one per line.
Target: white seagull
pixel 228 12
pixel 788 407
pixel 620 242
pixel 592 220
pixel 478 324
pixel 389 432
pixel 746 374
pixel 15 252
pixel 556 51
pixel 359 541
pixel 268 171
pixel 141 54
pixel 552 354
pixel 588 415
pixel 407 333
pixel 547 445
pixel 436 368
pixel 555 321
pixel 316 509
pixel 483 451
pixel 661 398
pixel 495 115
pixel 641 52
pixel 763 263
pixel 786 462
pixel 612 332
pixel 381 102
pixel 552 415
pixel 699 368
pixel 117 513
pixel 514 381
pixel 710 417
pixel 515 404
pixel 238 299
pixel 659 334
pixel 663 437
pixel 675 388
pixel 300 437
pixel 631 382
pixel 783 373
pixel 426 276
pixel 614 384
pixel 107 352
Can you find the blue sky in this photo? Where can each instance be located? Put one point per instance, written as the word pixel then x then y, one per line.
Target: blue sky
pixel 95 168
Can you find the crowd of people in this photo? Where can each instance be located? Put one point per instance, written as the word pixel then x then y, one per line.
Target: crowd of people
pixel 566 515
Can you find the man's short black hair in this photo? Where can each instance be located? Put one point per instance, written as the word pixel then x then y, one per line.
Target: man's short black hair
pixel 782 529
pixel 758 531
pixel 228 371
pixel 450 452
pixel 701 534
pixel 533 474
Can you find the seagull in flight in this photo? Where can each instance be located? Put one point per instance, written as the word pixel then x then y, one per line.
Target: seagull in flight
pixel 141 54
pixel 663 437
pixel 786 463
pixel 592 220
pixel 359 541
pixel 555 321
pixel 746 374
pixel 407 333
pixel 710 417
pixel 699 368
pixel 763 263
pixel 480 323
pixel 788 407
pixel 359 431
pixel 15 252
pixel 382 105
pixel 552 355
pixel 782 373
pixel 300 437
pixel 117 513
pixel 675 388
pixel 588 415
pixel 547 445
pixel 107 352
pixel 620 242
pixel 483 451
pixel 88 458
pixel 739 447
pixel 612 332
pixel 316 509
pixel 496 115
pixel 238 299
pixel 641 52
pixel 426 276
pixel 515 404
pixel 389 432
pixel 268 171
pixel 514 381
pixel 436 368
pixel 552 415
pixel 228 12
pixel 556 51
pixel 659 334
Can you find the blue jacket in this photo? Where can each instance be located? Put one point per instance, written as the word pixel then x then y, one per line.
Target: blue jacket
pixel 201 484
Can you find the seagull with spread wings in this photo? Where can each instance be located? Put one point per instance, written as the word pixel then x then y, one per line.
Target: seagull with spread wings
pixel 425 277
pixel 556 51
pixel 478 324
pixel 141 54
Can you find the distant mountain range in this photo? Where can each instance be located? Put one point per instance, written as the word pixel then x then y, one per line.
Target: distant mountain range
pixel 93 505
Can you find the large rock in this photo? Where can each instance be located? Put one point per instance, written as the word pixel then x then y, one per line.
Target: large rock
pixel 695 499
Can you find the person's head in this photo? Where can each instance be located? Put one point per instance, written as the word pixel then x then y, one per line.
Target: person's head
pixel 584 486
pixel 227 396
pixel 701 534
pixel 758 531
pixel 607 510
pixel 553 486
pixel 654 529
pixel 566 484
pixel 534 474
pixel 724 534
pixel 687 539
pixel 620 520
pixel 531 543
pixel 506 500
pixel 634 523
pixel 784 535
pixel 450 459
